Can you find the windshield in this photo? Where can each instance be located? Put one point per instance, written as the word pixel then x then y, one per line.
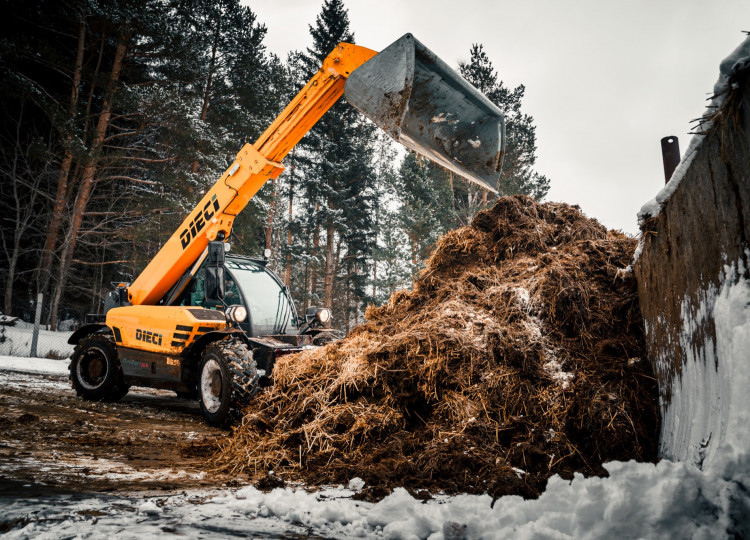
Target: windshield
pixel 271 312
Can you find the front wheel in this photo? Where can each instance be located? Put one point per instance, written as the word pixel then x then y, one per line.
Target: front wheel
pixel 228 379
pixel 95 369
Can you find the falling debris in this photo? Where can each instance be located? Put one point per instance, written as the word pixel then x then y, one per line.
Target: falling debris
pixel 510 360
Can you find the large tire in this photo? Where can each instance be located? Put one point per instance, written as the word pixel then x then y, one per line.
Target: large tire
pixel 228 379
pixel 95 369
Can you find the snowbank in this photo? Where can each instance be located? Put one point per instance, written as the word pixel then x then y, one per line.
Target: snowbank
pixel 667 500
pixel 34 365
pixel 638 500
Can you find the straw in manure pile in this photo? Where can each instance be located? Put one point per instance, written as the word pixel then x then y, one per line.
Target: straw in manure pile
pixel 518 354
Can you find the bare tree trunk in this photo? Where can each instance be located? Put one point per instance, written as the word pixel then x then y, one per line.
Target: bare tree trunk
pixel 87 179
pixel 58 210
pixel 484 197
pixel 20 172
pixel 271 214
pixel 414 249
pixel 328 279
pixel 76 175
pixel 453 193
pixel 98 293
pixel 209 82
pixel 348 301
pixel 93 81
pixel 306 283
pixel 288 277
pixel 15 251
pixel 314 265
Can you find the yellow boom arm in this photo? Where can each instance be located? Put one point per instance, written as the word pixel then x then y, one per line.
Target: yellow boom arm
pixel 254 165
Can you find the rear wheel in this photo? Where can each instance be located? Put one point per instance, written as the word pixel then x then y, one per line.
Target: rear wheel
pixel 95 369
pixel 228 380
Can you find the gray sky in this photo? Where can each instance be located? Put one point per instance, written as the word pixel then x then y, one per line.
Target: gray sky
pixel 605 80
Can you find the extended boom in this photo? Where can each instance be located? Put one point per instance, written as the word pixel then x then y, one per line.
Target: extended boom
pixel 214 215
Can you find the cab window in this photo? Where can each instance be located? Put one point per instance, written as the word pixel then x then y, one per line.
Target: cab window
pixel 196 295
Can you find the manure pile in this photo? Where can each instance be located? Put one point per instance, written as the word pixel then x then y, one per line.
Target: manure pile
pixel 518 354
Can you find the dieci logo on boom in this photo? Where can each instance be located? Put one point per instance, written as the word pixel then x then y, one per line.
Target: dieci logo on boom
pixel 148 337
pixel 199 221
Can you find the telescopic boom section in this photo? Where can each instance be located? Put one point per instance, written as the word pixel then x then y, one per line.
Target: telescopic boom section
pixel 214 215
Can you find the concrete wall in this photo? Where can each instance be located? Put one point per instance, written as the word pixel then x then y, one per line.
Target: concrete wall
pixel 694 291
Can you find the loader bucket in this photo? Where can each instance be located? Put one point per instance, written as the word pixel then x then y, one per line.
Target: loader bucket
pixel 426 106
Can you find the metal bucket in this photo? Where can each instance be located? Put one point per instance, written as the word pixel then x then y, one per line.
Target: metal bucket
pixel 426 106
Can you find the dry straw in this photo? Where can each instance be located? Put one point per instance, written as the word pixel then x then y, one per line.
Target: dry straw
pixel 518 354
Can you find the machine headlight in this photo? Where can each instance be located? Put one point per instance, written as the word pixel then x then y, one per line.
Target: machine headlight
pixel 316 315
pixel 324 315
pixel 236 313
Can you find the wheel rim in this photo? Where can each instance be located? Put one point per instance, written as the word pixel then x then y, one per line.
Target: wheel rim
pixel 211 385
pixel 93 368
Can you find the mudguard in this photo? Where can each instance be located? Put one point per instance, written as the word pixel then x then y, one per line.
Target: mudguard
pixel 84 331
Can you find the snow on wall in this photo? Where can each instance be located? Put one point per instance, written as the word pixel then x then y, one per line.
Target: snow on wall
pixel 710 402
pixel 694 282
pixel 737 60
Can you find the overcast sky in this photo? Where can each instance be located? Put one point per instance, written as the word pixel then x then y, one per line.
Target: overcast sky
pixel 605 80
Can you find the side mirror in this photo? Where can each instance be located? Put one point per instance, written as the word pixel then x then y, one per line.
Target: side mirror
pixel 310 314
pixel 215 288
pixel 214 283
pixel 216 253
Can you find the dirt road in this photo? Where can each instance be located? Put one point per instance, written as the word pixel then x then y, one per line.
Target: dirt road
pixel 151 440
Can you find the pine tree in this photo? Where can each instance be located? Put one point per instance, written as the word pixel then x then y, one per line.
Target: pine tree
pixel 518 175
pixel 426 209
pixel 233 85
pixel 338 183
pixel 117 93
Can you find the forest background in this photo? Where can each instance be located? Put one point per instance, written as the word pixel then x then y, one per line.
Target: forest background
pixel 116 117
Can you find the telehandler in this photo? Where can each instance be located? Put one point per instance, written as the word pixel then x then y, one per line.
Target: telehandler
pixel 210 325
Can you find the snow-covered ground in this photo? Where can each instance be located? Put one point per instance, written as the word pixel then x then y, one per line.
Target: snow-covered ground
pixel 669 500
pixel 638 500
pixel 19 336
pixel 34 365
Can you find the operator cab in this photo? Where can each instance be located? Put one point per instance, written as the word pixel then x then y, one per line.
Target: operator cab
pixel 247 282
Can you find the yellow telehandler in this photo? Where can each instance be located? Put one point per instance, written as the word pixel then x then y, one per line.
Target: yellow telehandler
pixel 210 325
